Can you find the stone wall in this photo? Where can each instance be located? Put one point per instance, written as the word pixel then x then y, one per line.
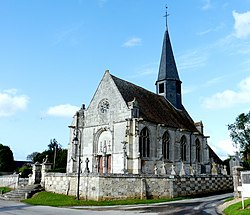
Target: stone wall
pixel 118 186
pixel 9 181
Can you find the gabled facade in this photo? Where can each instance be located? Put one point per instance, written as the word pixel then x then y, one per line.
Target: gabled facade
pixel 128 129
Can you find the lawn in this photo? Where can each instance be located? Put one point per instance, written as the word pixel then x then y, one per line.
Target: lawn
pixel 59 200
pixel 237 208
pixel 4 190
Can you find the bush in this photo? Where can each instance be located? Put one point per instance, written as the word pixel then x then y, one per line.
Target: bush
pixel 25 170
pixel 4 190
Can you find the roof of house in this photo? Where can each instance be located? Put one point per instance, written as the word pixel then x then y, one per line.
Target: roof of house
pixel 155 108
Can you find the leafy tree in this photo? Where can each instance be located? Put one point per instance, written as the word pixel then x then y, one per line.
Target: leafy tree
pixel 6 159
pixel 32 156
pixel 240 134
pixel 56 155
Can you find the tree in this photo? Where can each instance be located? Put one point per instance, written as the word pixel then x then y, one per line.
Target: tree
pixel 56 155
pixel 25 170
pixel 6 159
pixel 240 134
pixel 32 156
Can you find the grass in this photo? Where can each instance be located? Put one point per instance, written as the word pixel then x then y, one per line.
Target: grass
pixel 237 208
pixel 4 190
pixel 229 199
pixel 59 200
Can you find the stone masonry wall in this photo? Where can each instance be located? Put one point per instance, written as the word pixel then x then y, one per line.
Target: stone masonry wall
pixel 9 181
pixel 187 186
pixel 118 186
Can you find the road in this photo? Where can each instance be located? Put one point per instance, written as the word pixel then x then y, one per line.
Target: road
pixel 201 206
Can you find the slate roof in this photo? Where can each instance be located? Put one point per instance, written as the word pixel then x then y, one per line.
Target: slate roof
pixel 154 108
pixel 167 69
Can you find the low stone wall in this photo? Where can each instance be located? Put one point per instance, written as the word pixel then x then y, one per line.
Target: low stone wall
pixel 116 186
pixel 202 185
pixel 9 181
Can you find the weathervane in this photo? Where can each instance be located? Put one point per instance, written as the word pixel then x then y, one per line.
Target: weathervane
pixel 166 17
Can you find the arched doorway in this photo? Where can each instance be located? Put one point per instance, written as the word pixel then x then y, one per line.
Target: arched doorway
pixel 104 154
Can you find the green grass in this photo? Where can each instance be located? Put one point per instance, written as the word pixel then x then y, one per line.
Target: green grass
pixel 4 190
pixel 237 208
pixel 59 200
pixel 229 199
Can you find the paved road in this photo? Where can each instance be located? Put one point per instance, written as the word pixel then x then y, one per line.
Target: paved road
pixel 205 206
pixel 201 206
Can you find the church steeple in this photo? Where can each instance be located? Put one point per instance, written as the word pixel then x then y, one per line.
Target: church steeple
pixel 168 83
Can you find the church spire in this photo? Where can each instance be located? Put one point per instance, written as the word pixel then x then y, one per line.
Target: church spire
pixel 168 83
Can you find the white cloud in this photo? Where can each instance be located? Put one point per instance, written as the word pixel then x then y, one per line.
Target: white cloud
pixel 206 5
pixel 146 70
pixel 209 30
pixel 229 98
pixel 191 60
pixel 135 41
pixel 69 35
pixel 205 32
pixel 214 81
pixel 11 102
pixel 65 110
pixel 224 148
pixel 242 24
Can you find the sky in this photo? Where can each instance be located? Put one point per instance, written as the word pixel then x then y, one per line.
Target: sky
pixel 53 55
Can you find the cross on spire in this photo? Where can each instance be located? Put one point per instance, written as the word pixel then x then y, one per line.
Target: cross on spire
pixel 166 17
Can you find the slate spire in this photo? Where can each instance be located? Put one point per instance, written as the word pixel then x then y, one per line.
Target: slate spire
pixel 168 83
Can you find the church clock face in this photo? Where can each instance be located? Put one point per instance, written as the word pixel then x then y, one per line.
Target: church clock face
pixel 103 106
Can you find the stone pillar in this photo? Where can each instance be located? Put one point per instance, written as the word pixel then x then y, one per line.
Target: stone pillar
pixel 36 174
pixel 143 189
pixel 105 168
pixel 124 170
pixel 236 179
pixel 45 168
pixel 137 164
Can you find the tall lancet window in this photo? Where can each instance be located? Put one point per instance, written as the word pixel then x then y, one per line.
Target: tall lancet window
pixel 183 148
pixel 144 143
pixel 198 150
pixel 165 145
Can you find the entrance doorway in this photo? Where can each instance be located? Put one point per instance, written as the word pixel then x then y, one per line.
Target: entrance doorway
pixel 101 164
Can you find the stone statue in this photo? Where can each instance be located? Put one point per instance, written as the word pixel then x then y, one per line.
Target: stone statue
pixel 182 172
pixel 214 169
pixel 173 170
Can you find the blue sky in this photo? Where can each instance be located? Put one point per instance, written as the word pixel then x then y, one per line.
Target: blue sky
pixel 53 55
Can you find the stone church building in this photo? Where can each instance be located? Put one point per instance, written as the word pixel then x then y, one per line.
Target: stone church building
pixel 133 143
pixel 127 129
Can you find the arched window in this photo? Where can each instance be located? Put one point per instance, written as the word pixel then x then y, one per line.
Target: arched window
pixel 165 145
pixel 144 143
pixel 198 150
pixel 183 148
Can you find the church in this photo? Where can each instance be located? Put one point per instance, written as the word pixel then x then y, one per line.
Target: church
pixel 127 129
